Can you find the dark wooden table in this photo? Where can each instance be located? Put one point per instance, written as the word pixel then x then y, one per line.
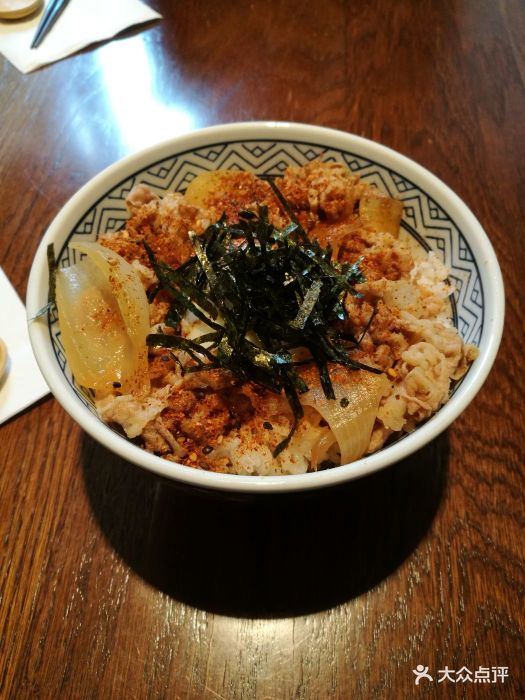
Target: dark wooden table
pixel 115 584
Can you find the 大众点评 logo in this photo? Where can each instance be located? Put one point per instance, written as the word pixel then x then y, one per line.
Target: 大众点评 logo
pixel 483 674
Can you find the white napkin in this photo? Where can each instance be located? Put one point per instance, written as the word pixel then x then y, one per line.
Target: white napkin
pixel 83 22
pixel 23 383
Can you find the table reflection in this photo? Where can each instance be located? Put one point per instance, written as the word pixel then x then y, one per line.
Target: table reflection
pixel 139 107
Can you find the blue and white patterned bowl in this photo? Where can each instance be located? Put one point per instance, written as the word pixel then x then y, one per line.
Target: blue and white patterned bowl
pixel 433 215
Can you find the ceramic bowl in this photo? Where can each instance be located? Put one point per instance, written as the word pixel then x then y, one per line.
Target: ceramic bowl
pixel 433 215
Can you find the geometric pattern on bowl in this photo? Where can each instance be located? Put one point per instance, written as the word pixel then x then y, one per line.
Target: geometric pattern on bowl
pixel 423 218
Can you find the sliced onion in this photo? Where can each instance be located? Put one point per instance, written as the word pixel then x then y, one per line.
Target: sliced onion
pixel 321 448
pixel 351 415
pixel 104 320
pixel 206 185
pixel 383 214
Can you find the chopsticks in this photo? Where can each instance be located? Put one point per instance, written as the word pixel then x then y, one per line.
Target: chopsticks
pixel 50 16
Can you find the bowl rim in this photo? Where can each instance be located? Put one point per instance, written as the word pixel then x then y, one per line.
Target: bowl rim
pixel 455 208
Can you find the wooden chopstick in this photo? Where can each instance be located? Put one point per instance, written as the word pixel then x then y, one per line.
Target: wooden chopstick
pixel 50 16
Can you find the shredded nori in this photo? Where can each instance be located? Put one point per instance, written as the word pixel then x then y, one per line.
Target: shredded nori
pixel 263 291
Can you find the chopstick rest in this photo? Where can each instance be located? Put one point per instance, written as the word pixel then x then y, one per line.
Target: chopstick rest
pixel 16 9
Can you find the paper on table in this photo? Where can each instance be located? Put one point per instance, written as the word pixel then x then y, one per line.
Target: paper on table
pixel 83 22
pixel 23 383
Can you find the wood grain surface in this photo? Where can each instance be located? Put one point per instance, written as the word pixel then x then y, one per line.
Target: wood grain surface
pixel 117 584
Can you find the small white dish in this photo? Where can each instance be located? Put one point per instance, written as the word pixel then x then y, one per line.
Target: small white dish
pixel 18 9
pixel 3 358
pixel 433 214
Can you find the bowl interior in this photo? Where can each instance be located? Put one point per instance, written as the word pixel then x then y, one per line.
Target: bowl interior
pixel 433 215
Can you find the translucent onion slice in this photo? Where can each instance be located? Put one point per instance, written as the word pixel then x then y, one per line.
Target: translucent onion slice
pixel 104 320
pixel 207 185
pixel 321 448
pixel 380 212
pixel 351 415
pixel 207 190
